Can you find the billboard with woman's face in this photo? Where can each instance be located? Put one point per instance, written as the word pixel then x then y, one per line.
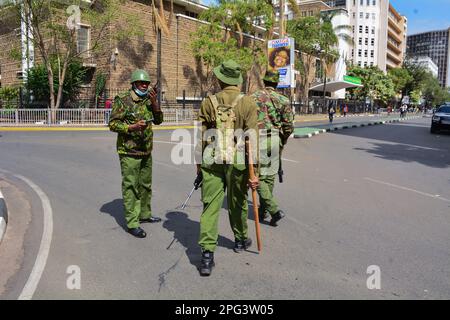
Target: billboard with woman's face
pixel 281 59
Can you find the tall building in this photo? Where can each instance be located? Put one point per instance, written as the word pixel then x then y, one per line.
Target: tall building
pixel 436 45
pixel 379 32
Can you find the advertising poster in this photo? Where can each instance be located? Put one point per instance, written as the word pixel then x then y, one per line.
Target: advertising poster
pixel 281 58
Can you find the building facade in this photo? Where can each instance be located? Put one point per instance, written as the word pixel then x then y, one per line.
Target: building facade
pixel 436 45
pixel 379 32
pixel 182 74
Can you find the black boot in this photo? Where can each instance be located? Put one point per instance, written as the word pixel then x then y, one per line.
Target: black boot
pixel 207 263
pixel 262 215
pixel 241 245
pixel 276 217
pixel 137 232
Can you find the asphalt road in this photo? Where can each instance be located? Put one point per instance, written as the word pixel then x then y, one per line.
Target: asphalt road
pixel 354 198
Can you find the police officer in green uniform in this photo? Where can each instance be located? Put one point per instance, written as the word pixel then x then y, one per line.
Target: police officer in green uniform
pixel 221 177
pixel 276 119
pixel 132 116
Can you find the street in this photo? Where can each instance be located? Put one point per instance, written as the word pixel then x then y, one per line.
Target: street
pixel 355 198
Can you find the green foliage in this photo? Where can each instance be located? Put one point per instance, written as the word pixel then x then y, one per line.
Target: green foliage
pixel 37 81
pixel 223 37
pixel 400 78
pixel 9 97
pixel 376 85
pixel 100 82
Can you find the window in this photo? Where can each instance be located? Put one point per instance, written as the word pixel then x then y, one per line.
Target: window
pixel 373 16
pixel 365 64
pixel 359 63
pixel 371 64
pixel 367 29
pixel 365 53
pixel 372 42
pixel 374 2
pixel 359 52
pixel 361 2
pixel 354 14
pixel 191 14
pixel 303 13
pixel 361 15
pixel 83 35
pixel 360 29
pixel 372 53
pixel 368 2
pixel 373 30
pixel 367 15
pixel 366 41
pixel 353 52
pixel 360 41
pixel 311 13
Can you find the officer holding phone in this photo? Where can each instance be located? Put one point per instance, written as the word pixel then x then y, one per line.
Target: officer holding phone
pixel 133 114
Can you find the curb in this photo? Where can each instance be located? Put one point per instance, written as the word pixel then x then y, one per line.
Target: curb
pixel 354 125
pixel 3 216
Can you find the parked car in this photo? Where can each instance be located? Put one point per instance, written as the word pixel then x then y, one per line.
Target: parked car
pixel 441 119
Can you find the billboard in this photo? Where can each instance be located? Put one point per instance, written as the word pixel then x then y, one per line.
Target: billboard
pixel 281 59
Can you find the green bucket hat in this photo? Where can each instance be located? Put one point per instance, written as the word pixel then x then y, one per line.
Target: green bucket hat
pixel 229 72
pixel 140 75
pixel 272 76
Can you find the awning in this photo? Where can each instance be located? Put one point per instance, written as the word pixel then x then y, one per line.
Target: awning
pixel 335 86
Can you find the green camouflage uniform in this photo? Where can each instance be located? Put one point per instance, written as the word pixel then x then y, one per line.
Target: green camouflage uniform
pixel 230 177
pixel 274 112
pixel 134 149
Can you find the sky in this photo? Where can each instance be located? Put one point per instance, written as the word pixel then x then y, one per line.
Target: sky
pixel 423 15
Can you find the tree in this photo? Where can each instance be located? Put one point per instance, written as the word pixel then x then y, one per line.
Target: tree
pixel 306 33
pixel 38 87
pixel 376 85
pixel 54 27
pixel 400 78
pixel 223 37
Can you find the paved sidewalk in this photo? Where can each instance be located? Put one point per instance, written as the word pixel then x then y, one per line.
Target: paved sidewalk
pixel 308 132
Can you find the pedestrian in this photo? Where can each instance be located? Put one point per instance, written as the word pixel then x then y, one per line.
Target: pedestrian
pixel 132 116
pixel 345 110
pixel 276 119
pixel 224 113
pixel 403 110
pixel 331 111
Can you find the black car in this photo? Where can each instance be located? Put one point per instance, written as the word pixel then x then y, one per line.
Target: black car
pixel 441 119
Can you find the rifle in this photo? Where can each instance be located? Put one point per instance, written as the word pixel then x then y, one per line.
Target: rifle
pixel 197 183
pixel 280 171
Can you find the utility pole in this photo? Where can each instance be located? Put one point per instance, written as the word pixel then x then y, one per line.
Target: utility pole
pixel 282 20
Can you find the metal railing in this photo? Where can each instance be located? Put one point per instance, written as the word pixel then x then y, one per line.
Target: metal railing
pixel 79 117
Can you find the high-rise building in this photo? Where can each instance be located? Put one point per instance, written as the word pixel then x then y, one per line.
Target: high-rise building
pixel 379 32
pixel 436 45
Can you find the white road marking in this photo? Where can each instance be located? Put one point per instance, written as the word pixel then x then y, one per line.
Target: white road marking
pixel 2 220
pixel 46 240
pixel 409 189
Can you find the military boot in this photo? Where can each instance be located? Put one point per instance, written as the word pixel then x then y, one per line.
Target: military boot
pixel 276 217
pixel 241 245
pixel 207 263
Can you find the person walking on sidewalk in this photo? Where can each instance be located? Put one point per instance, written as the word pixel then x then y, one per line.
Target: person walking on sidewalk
pixel 132 116
pixel 331 112
pixel 276 124
pixel 222 115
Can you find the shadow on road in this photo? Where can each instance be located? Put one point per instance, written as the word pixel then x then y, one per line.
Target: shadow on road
pixel 115 210
pixel 412 143
pixel 186 232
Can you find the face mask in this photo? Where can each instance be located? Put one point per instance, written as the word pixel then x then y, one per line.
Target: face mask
pixel 139 92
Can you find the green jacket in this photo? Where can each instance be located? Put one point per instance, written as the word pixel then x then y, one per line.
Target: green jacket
pixel 129 108
pixel 246 112
pixel 274 111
